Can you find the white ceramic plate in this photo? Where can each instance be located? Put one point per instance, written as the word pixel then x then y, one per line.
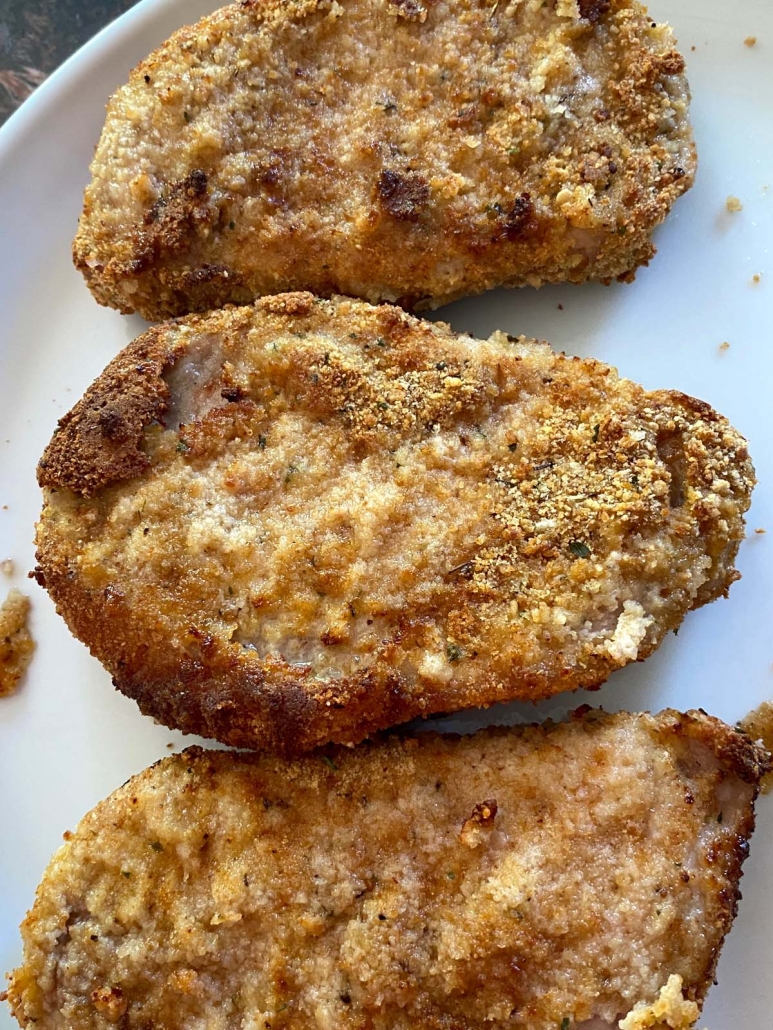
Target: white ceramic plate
pixel 67 739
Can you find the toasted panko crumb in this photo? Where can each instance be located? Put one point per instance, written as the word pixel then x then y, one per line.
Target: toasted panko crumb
pixel 760 530
pixel 724 346
pixel 750 41
pixel 7 567
pixel 733 204
pixel 16 644
pixel 756 277
pixel 670 1010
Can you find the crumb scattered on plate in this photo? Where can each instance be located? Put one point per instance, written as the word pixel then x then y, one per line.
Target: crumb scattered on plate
pixel 724 346
pixel 756 277
pixel 760 531
pixel 16 644
pixel 733 204
pixel 759 726
pixel 750 41
pixel 6 566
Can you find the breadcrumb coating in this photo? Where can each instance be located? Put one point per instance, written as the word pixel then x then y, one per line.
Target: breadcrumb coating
pixel 309 520
pixel 394 150
pixel 582 875
pixel 16 643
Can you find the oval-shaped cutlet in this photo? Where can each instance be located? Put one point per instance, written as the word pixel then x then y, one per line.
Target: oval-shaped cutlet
pixel 396 150
pixel 307 520
pixel 518 879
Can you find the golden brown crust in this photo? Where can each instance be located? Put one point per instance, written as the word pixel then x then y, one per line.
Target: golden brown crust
pixel 352 517
pixel 395 151
pixel 517 878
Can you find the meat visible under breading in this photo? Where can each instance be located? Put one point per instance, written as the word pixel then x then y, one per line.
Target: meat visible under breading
pixel 403 150
pixel 309 520
pixel 526 878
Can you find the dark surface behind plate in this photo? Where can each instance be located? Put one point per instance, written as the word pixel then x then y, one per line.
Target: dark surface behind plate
pixel 37 35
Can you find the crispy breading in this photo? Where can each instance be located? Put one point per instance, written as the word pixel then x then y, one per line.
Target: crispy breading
pixel 308 520
pixel 394 150
pixel 530 878
pixel 16 643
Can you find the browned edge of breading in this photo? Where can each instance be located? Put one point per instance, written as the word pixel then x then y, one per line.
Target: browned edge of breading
pixel 99 441
pixel 739 756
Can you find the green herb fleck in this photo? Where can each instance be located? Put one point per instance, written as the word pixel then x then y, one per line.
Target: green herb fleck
pixel 182 446
pixel 187 117
pixel 232 224
pixel 512 447
pixel 230 591
pixel 261 443
pixel 389 106
pixel 635 483
pixel 383 405
pixel 381 342
pixel 579 549
pixel 330 762
pixel 565 1023
pixel 596 432
pixel 125 873
pixel 514 151
pixel 451 874
pixel 290 473
pixel 720 817
pixel 454 652
pixel 157 845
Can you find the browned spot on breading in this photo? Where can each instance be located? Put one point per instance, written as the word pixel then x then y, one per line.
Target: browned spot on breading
pixel 411 10
pixel 520 218
pixel 593 10
pixel 109 1002
pixel 403 196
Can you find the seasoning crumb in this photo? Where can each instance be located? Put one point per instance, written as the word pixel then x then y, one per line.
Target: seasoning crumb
pixel 760 530
pixel 756 277
pixel 560 307
pixel 7 566
pixel 733 204
pixel 750 41
pixel 16 644
pixel 724 346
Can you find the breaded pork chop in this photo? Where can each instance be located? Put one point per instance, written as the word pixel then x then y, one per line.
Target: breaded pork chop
pixel 401 150
pixel 308 520
pixel 529 878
